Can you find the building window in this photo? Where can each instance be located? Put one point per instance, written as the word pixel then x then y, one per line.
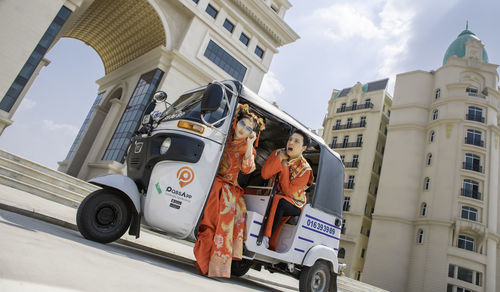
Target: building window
pixel 342 157
pixel 354 105
pixel 473 162
pixel 84 126
pixel 475 114
pixel 469 213
pixel 465 274
pixel 479 279
pixel 244 39
pixel 259 51
pixel 359 140
pixel 228 25
pixel 427 183
pixel 451 271
pixel 362 253
pixel 334 142
pixel 362 122
pixel 342 107
pixel 388 113
pixel 358 275
pixel 349 123
pixel 420 236
pixel 355 158
pixel 423 209
pixel 466 242
pixel 435 114
pixel 132 116
pixel 350 182
pixel 345 142
pixel 431 136
pixel 471 189
pixel 471 91
pixel 196 1
pixel 337 125
pixel 367 103
pixel 438 93
pixel 225 61
pixel 474 137
pixel 341 253
pixel 34 59
pixel 343 228
pixel 346 205
pixel 211 11
pixel 429 159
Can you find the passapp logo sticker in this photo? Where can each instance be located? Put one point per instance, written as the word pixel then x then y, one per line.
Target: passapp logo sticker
pixel 185 175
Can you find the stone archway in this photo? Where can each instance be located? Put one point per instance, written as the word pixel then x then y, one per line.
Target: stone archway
pixel 119 31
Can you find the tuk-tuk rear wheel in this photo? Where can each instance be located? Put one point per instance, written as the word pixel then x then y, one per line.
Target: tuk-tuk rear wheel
pixel 315 278
pixel 240 268
pixel 103 216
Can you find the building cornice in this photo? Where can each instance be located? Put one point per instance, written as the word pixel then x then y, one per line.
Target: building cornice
pixel 282 33
pixel 391 218
pixel 409 106
pixel 406 126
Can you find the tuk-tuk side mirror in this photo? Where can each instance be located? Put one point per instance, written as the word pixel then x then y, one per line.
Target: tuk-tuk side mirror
pixel 212 98
pixel 160 96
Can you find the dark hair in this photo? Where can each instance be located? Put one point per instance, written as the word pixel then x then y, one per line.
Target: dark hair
pixel 306 138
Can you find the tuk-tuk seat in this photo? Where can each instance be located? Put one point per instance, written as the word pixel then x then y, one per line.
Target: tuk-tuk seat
pixel 294 220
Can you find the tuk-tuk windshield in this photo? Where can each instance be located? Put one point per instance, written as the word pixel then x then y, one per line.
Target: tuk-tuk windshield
pixel 188 107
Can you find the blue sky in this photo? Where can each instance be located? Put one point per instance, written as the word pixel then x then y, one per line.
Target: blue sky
pixel 342 42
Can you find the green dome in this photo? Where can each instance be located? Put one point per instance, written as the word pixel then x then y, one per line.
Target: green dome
pixel 457 47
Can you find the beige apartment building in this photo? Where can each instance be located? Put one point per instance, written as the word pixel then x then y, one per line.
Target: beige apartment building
pixel 145 45
pixel 435 225
pixel 356 127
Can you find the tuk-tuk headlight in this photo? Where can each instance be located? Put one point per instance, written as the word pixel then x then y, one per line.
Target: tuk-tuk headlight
pixel 165 145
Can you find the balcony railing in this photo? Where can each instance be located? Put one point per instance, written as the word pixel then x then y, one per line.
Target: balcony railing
pixel 354 108
pixel 349 185
pixel 346 145
pixel 352 164
pixel 475 142
pixel 473 167
pixel 471 194
pixel 476 94
pixel 475 118
pixel 349 126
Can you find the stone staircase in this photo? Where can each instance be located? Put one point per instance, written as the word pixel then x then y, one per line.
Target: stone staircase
pixel 28 176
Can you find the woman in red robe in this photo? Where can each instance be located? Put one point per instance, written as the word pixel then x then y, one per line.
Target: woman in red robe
pixel 295 175
pixel 222 228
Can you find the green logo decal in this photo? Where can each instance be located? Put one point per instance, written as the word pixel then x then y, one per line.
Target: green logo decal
pixel 157 185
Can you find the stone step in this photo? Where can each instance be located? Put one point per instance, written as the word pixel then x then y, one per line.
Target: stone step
pixel 35 190
pixel 72 185
pixel 46 170
pixel 34 182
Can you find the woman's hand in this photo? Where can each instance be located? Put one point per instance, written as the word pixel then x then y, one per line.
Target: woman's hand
pixel 251 138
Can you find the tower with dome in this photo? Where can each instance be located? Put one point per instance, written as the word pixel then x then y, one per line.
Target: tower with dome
pixel 436 223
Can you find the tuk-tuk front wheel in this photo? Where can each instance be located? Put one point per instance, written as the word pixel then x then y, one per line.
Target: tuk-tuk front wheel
pixel 103 216
pixel 315 278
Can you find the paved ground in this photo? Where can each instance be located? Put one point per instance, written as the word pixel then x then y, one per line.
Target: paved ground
pixel 38 256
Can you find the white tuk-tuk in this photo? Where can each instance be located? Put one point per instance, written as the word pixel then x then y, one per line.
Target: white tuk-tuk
pixel 172 163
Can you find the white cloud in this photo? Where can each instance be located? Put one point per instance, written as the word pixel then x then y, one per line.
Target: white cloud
pixel 271 88
pixel 63 128
pixel 386 25
pixel 27 104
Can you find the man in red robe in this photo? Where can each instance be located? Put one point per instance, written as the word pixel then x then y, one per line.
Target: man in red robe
pixel 295 175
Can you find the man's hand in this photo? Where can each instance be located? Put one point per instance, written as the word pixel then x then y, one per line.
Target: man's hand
pixel 283 156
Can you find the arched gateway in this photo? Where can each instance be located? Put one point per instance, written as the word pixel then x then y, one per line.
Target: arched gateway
pixel 145 45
